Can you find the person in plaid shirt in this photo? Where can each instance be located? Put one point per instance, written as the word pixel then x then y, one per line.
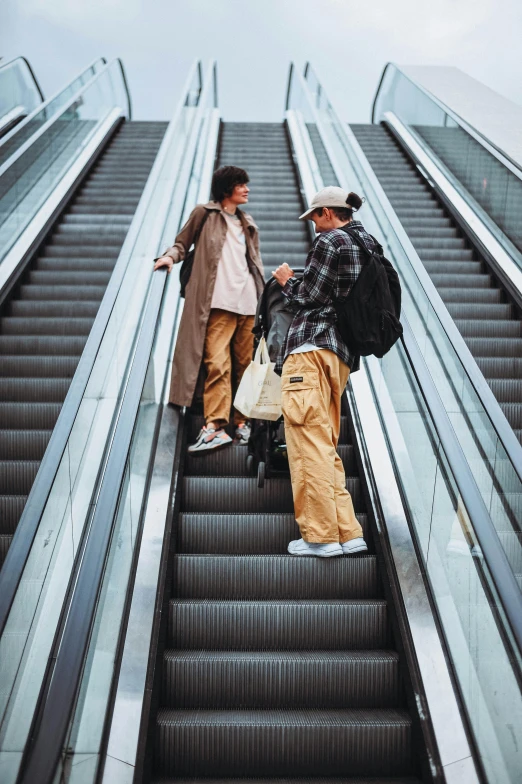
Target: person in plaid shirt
pixel 315 364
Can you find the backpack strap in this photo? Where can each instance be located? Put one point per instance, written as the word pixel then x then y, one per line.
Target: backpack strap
pixel 354 234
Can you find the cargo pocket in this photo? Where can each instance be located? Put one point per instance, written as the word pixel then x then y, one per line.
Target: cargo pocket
pixel 302 404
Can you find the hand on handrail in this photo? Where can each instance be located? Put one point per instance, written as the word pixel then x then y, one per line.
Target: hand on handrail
pixel 164 261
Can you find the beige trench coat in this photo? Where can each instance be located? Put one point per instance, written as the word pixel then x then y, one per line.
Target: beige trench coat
pixel 188 353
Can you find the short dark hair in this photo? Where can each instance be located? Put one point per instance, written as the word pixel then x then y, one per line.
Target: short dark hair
pixel 225 180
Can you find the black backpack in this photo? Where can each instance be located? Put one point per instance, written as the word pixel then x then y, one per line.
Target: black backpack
pixel 368 318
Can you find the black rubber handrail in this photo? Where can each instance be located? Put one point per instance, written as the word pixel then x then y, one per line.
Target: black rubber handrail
pixel 57 708
pixel 498 152
pixel 30 68
pixel 500 569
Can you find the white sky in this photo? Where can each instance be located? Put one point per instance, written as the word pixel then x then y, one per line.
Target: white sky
pixel 254 41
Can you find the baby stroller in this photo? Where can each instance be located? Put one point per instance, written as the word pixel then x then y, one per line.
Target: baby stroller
pixel 267 454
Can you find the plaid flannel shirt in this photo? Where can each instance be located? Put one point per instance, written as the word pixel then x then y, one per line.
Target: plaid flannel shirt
pixel 332 267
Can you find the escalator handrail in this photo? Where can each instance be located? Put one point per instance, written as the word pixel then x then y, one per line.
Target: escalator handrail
pixel 59 112
pixel 57 701
pixel 18 553
pixel 5 63
pixel 494 555
pixel 476 378
pixel 41 107
pixel 501 155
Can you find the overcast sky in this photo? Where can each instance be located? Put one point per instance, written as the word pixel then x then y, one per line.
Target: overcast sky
pixel 254 41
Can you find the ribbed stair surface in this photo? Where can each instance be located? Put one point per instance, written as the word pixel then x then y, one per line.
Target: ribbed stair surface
pixel 274 666
pixel 45 325
pixel 480 308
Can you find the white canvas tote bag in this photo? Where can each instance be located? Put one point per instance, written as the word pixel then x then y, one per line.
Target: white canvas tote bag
pixel 259 393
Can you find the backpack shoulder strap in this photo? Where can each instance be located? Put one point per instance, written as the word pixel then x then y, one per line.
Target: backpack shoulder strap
pixel 358 240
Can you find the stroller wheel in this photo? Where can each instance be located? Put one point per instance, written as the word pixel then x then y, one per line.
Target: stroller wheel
pixel 250 465
pixel 261 475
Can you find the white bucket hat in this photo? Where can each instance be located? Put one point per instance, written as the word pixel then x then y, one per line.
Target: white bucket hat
pixel 332 196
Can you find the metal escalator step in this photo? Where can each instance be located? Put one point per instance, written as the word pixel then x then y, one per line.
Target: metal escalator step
pixel 196 422
pixel 513 414
pixel 506 390
pixel 65 264
pixel 479 296
pixel 461 281
pixel 24 444
pixel 281 625
pixel 28 416
pixel 11 508
pixel 481 328
pixel 500 367
pixel 58 291
pixel 286 780
pixel 241 494
pixel 274 577
pixel 466 310
pixel 17 476
pixel 453 267
pixel 16 325
pixel 446 254
pixel 213 680
pixel 42 344
pixel 68 277
pixel 37 367
pixel 109 209
pixel 232 462
pixel 34 390
pixel 106 234
pixel 494 347
pixel 53 308
pixel 104 251
pixel 299 743
pixel 254 533
pixel 93 221
pixel 5 543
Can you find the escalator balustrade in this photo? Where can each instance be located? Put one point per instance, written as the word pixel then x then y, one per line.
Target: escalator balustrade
pixel 45 323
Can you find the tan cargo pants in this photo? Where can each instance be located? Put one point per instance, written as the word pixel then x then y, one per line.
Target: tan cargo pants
pixel 312 387
pixel 228 342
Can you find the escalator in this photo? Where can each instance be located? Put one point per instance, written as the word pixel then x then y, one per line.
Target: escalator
pixel 274 666
pixel 46 320
pixel 484 313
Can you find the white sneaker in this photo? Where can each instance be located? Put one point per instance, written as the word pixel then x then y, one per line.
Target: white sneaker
pixel 243 434
pixel 208 440
pixel 326 550
pixel 357 545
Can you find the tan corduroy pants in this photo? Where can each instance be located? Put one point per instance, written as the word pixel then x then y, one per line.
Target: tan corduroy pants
pixel 312 387
pixel 229 343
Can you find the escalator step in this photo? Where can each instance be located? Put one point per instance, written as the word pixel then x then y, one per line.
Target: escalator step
pixel 316 742
pixel 17 476
pixel 54 308
pixel 241 533
pixel 11 508
pixel 212 680
pixel 44 367
pixel 282 625
pixel 5 543
pixel 273 577
pixel 42 344
pixel 285 780
pixel 28 416
pixel 23 444
pixel 500 367
pixel 34 390
pixel 232 462
pixel 241 494
pixel 15 325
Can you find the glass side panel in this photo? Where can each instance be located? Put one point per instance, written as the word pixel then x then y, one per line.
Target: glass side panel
pixel 468 608
pixel 491 184
pixel 31 174
pixel 17 88
pixel 21 133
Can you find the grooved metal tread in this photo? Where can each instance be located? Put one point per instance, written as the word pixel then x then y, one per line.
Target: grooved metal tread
pixel 491 327
pixel 45 323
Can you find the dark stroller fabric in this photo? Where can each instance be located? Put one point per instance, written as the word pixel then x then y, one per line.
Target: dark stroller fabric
pixel 273 317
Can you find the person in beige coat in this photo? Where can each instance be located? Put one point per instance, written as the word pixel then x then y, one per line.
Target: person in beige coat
pixel 220 303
